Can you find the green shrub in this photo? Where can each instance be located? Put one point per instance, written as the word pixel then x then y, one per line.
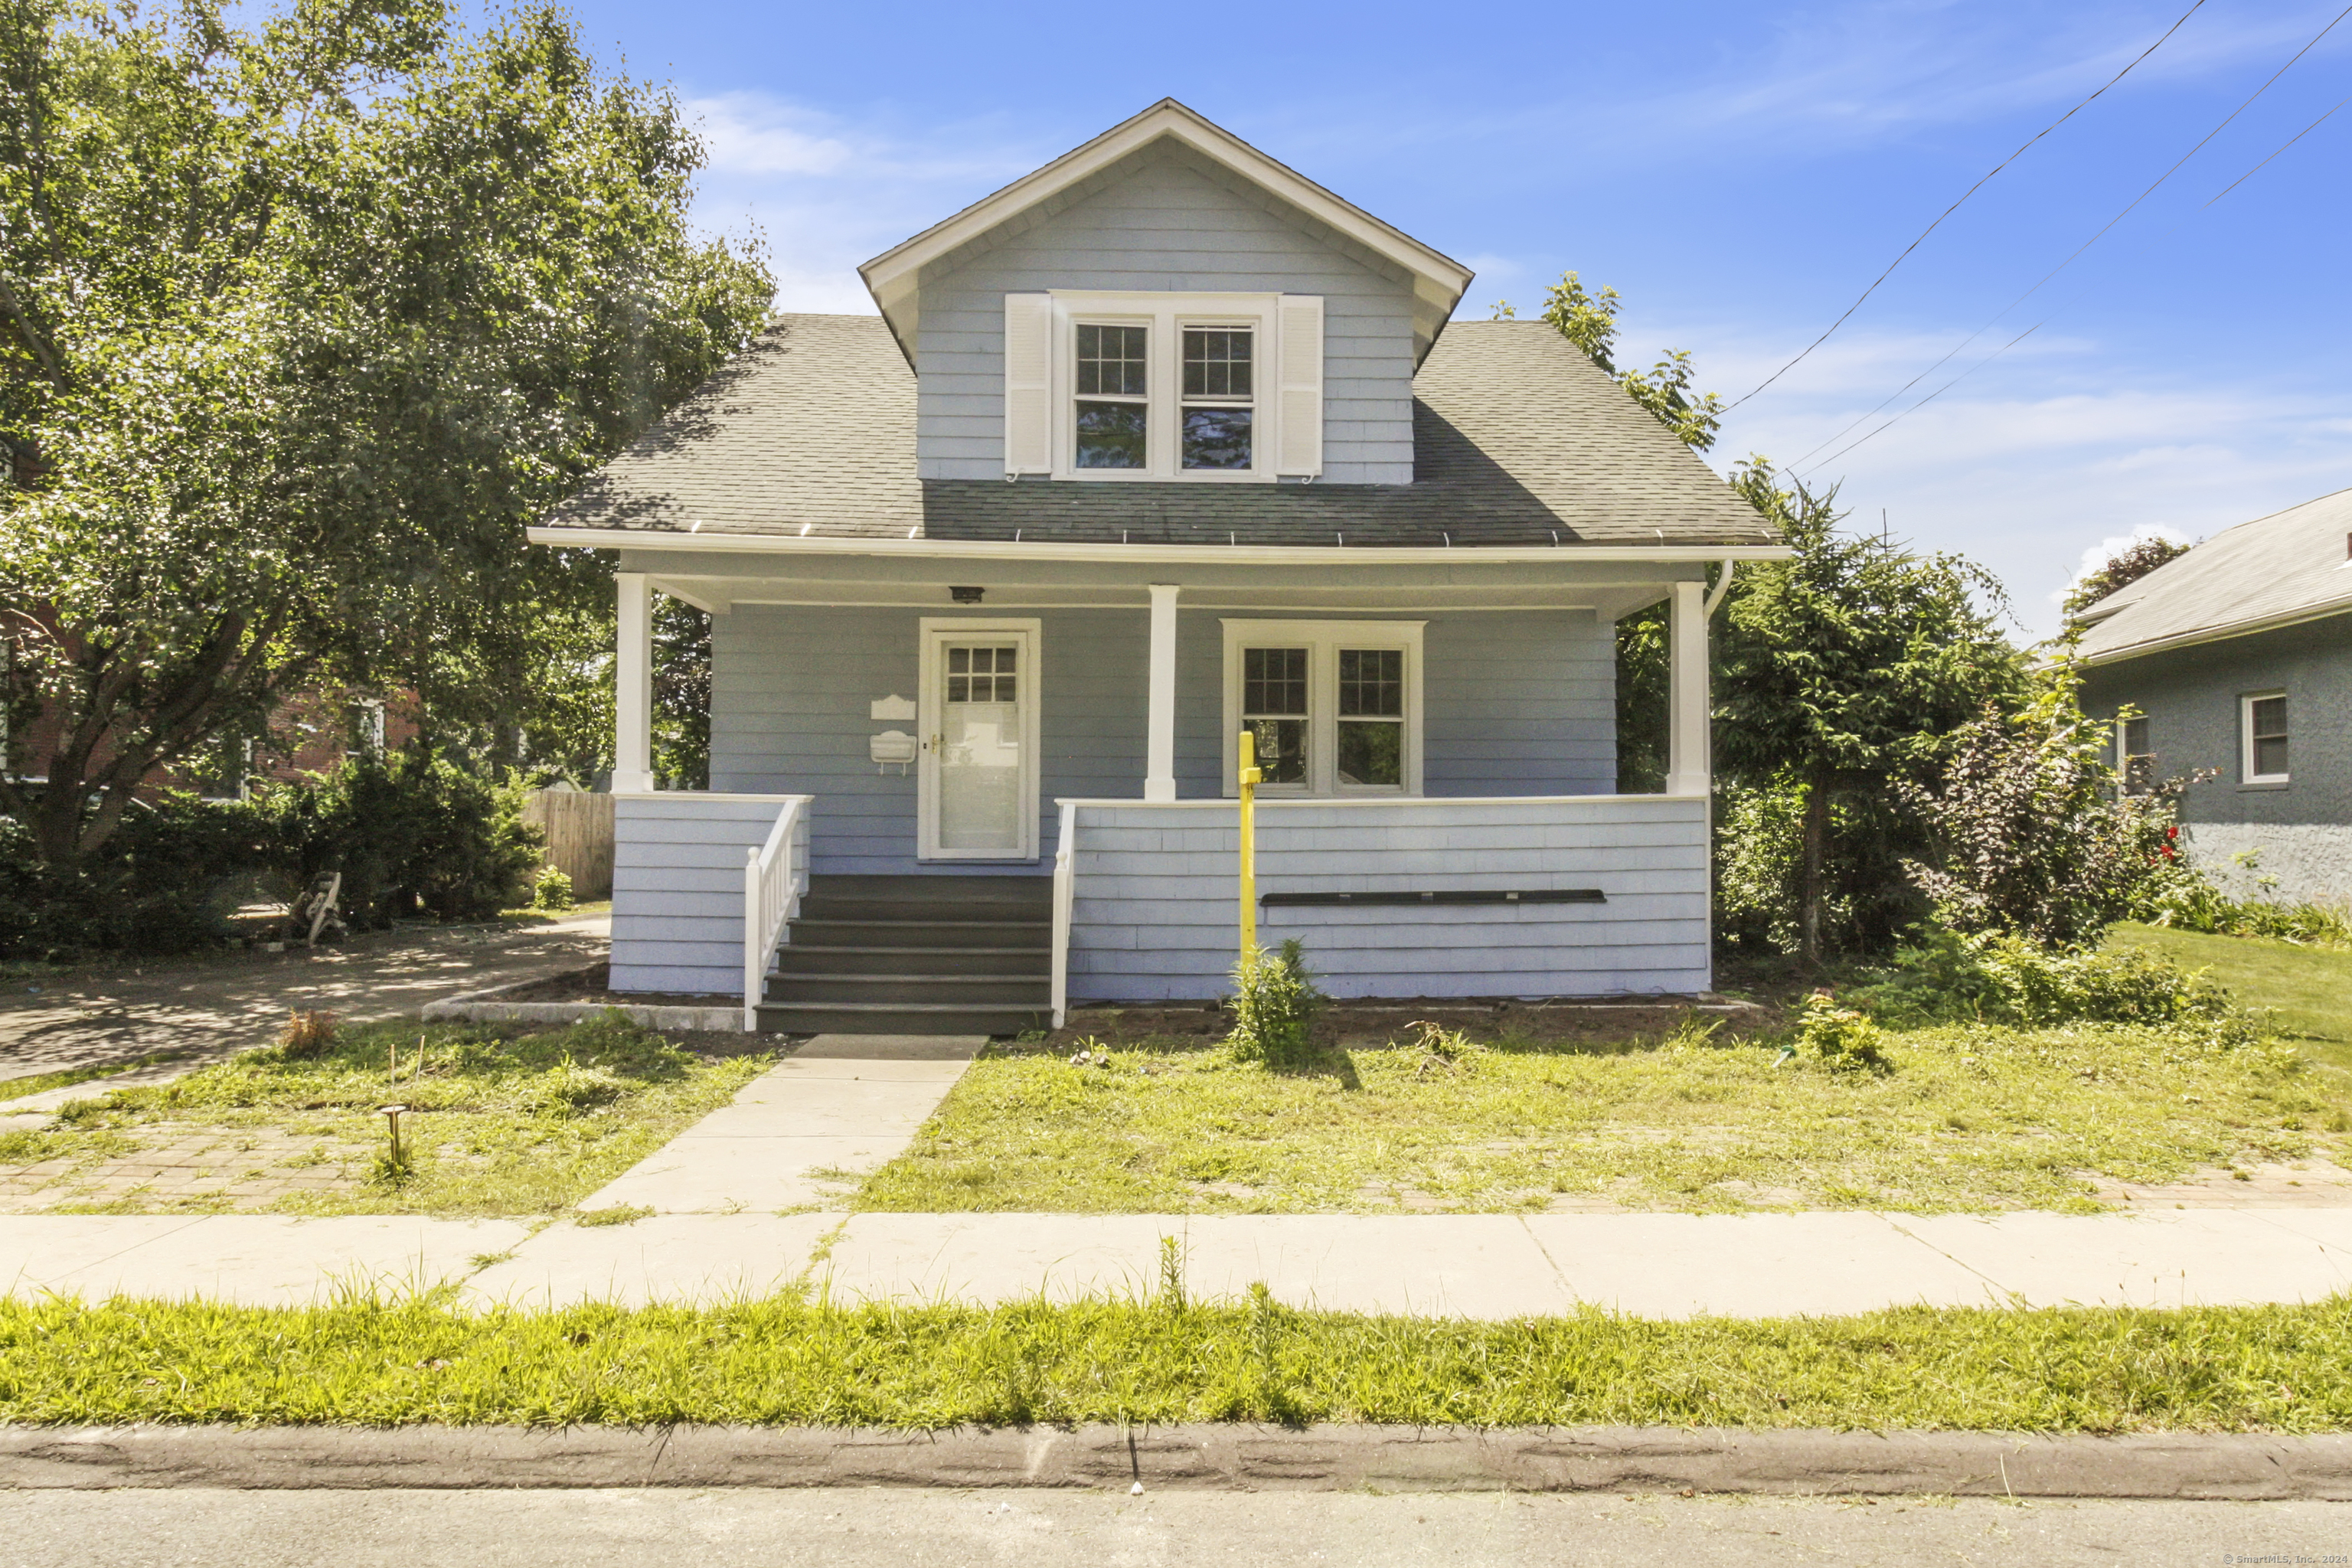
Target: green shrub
pixel 2005 979
pixel 2184 898
pixel 167 881
pixel 1842 1039
pixel 552 890
pixel 414 832
pixel 1274 1003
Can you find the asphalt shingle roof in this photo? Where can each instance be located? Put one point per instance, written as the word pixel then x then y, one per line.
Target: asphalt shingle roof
pixel 1519 439
pixel 2290 565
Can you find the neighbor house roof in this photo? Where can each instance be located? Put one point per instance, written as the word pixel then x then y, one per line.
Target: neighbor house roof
pixel 2293 565
pixel 1518 440
pixel 894 277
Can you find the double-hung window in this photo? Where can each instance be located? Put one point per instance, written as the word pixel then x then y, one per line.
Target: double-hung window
pixel 2262 726
pixel 1332 707
pixel 2135 757
pixel 1208 387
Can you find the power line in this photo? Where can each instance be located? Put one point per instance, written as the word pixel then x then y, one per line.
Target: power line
pixel 1948 211
pixel 2086 245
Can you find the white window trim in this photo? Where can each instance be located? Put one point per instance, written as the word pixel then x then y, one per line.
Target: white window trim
pixel 2246 774
pixel 1323 640
pixel 1166 315
pixel 931 631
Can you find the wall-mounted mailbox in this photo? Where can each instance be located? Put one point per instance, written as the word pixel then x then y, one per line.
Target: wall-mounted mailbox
pixel 892 746
pixel 893 708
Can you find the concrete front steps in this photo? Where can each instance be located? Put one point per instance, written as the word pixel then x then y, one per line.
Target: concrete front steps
pixel 916 955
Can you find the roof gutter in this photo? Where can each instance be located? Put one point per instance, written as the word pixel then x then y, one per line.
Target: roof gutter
pixel 2224 633
pixel 1168 555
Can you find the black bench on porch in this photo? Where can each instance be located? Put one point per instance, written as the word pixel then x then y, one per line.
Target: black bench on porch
pixel 915 955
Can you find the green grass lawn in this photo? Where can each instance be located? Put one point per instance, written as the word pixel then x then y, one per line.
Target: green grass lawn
pixel 501 1122
pixel 791 1361
pixel 2308 990
pixel 1977 1117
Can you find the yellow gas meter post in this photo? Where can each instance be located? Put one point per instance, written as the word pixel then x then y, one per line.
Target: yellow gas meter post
pixel 1249 781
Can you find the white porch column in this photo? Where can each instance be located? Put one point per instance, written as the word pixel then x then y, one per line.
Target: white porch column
pixel 632 686
pixel 1160 724
pixel 1686 703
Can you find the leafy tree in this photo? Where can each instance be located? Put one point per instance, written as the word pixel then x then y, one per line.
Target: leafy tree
pixel 299 323
pixel 1588 319
pixel 2123 567
pixel 1840 676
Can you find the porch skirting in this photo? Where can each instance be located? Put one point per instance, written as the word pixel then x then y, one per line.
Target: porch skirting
pixel 1147 896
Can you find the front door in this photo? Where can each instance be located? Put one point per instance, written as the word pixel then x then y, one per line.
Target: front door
pixel 980 747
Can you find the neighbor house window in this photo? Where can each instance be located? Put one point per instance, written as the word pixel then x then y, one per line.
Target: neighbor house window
pixel 2135 759
pixel 1332 707
pixel 2263 721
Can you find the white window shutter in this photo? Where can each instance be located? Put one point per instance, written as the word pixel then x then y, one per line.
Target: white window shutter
pixel 1299 442
pixel 1028 383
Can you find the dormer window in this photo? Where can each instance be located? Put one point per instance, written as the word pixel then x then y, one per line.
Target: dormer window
pixel 1218 409
pixel 1114 397
pixel 1207 387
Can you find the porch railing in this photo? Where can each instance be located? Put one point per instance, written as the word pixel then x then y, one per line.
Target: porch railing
pixel 1065 888
pixel 775 875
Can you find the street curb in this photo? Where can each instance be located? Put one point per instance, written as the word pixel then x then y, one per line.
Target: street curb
pixel 1192 1457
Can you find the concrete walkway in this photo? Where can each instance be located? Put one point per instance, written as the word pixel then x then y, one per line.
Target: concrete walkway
pixel 746 1202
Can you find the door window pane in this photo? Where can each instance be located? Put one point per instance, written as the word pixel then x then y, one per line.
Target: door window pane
pixel 2267 718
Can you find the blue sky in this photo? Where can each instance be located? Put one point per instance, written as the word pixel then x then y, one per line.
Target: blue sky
pixel 1738 172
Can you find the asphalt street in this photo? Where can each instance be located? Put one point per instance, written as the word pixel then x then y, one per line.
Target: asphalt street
pixel 893 1528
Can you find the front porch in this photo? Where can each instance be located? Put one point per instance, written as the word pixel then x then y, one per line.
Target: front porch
pixel 1055 743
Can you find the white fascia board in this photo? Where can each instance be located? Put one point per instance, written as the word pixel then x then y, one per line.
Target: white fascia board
pixel 890 276
pixel 2223 633
pixel 1158 555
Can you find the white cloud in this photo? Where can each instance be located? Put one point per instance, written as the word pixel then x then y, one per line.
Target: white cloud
pixel 2095 556
pixel 752 133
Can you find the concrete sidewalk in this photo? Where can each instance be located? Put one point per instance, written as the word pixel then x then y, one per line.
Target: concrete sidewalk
pixel 1473 1265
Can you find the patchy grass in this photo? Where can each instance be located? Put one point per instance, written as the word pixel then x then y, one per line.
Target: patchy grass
pixel 499 1121
pixel 1958 1118
pixel 2308 990
pixel 17 1087
pixel 789 1361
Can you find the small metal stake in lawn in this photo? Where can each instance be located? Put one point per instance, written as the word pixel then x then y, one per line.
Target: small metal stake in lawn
pixel 1248 779
pixel 391 1114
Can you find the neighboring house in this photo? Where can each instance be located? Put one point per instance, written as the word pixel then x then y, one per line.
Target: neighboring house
pixel 2238 658
pixel 1160 443
pixel 309 733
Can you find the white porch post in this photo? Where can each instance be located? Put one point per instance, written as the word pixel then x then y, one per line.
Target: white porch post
pixel 632 687
pixel 1160 727
pixel 1687 724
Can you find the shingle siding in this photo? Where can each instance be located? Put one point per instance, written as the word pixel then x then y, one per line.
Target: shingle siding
pixel 1153 897
pixel 1515 702
pixel 1165 225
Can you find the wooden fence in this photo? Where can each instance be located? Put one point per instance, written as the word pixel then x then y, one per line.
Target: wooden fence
pixel 578 830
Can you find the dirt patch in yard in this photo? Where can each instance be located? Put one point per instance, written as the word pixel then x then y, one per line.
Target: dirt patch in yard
pixel 592 986
pixel 1352 1025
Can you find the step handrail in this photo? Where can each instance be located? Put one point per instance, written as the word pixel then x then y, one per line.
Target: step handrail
pixel 775 875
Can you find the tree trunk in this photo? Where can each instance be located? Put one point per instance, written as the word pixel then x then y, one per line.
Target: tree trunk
pixel 1809 880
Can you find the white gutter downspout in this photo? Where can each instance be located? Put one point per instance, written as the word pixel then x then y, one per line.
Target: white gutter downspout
pixel 1722 586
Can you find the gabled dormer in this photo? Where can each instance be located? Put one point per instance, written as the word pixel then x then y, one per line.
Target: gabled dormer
pixel 1165 304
